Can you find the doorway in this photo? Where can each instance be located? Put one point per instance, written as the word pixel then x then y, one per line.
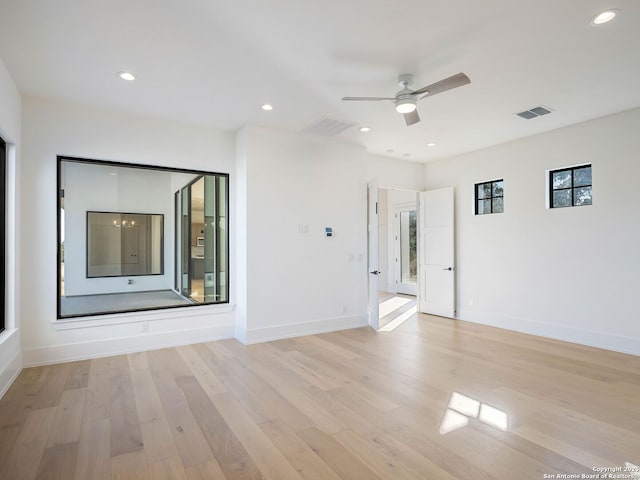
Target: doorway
pixel 411 254
pixel 396 255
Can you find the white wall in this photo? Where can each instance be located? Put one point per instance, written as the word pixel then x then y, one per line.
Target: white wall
pixel 292 280
pixel 10 126
pixel 297 280
pixel 241 221
pixel 569 273
pixel 392 173
pixel 51 129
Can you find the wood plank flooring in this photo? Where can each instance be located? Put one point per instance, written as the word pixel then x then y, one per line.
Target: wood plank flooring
pixel 432 399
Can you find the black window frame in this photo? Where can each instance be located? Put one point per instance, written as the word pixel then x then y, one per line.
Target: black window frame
pixel 3 230
pixel 477 199
pixel 571 188
pixel 60 193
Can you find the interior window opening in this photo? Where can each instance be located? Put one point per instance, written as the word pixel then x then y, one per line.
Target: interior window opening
pixel 152 238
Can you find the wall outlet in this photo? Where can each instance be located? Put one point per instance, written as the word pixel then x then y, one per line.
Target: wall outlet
pixel 130 281
pixel 145 327
pixel 345 307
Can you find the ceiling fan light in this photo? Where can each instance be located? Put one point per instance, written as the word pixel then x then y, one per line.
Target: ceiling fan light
pixel 406 105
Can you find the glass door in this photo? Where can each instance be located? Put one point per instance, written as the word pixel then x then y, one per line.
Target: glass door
pixel 196 246
pixel 185 240
pixel 203 240
pixel 406 251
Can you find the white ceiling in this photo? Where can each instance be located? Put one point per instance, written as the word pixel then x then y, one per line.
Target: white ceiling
pixel 214 62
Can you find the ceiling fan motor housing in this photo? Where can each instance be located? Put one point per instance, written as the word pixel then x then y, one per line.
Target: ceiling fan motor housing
pixel 405 80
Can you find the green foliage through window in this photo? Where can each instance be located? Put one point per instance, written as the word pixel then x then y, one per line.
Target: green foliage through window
pixel 489 197
pixel 570 187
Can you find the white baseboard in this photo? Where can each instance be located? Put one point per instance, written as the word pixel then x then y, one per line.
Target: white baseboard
pixel 9 374
pixel 10 358
pixel 277 332
pixel 590 338
pixel 117 346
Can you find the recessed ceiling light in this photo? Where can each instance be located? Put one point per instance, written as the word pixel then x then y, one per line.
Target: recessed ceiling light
pixel 406 154
pixel 431 144
pixel 390 150
pixel 129 77
pixel 365 129
pixel 267 107
pixel 605 17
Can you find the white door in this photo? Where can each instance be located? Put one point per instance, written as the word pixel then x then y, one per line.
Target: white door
pixel 406 261
pixel 436 257
pixel 372 221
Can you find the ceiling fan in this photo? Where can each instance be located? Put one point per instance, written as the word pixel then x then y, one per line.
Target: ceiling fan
pixel 406 99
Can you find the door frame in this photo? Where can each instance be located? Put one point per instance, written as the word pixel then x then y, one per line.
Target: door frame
pixel 374 322
pixel 373 251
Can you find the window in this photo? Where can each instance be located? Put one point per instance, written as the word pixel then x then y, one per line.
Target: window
pixel 490 197
pixel 3 221
pixel 122 246
pixel 570 187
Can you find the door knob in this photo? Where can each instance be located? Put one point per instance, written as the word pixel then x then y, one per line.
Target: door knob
pixel 375 272
pixel 449 268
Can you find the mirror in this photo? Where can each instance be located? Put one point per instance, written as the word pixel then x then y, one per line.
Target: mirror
pixel 124 244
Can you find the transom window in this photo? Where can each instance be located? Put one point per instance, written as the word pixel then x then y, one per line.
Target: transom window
pixel 570 187
pixel 490 197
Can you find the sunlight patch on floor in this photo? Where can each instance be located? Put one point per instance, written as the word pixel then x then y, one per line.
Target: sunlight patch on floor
pixel 388 306
pixel 452 421
pixel 461 409
pixel 396 322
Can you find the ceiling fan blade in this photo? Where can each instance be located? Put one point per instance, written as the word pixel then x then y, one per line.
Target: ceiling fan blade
pixel 367 99
pixel 411 118
pixel 455 81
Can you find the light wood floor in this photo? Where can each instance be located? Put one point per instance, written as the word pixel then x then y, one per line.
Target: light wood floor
pixel 346 405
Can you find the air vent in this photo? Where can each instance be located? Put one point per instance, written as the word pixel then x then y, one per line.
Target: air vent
pixel 534 112
pixel 328 127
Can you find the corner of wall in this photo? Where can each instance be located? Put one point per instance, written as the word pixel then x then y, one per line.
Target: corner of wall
pixel 241 222
pixel 10 359
pixel 11 132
